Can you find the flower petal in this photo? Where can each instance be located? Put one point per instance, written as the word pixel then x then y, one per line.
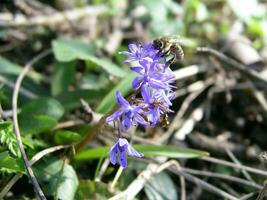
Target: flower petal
pixel 120 100
pixel 155 115
pixel 123 144
pixel 137 82
pixel 122 159
pixel 144 63
pixel 127 122
pixel 146 94
pixel 151 68
pixel 114 116
pixel 113 151
pixel 133 48
pixel 138 118
pixel 133 152
pixel 157 84
pixel 138 69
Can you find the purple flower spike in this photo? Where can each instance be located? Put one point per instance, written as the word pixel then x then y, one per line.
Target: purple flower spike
pixel 121 147
pixel 151 76
pixel 155 107
pixel 154 83
pixel 127 114
pixel 138 52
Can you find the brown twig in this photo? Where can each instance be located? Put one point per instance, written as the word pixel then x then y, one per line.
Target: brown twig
pixel 92 134
pixel 222 176
pixel 236 65
pixel 263 191
pixel 7 20
pixel 230 164
pixel 68 124
pixel 203 184
pixel 151 170
pixel 184 107
pixel 37 188
pixel 248 196
pixel 236 161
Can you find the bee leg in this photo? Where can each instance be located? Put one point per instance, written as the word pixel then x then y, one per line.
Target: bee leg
pixel 166 54
pixel 171 60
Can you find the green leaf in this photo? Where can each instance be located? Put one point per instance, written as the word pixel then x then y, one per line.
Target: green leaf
pixel 71 99
pixel 67 50
pixel 40 115
pixel 94 82
pixel 160 12
pixel 10 164
pixel 125 86
pixel 60 178
pixel 170 151
pixel 63 137
pixel 157 10
pixel 9 68
pixel 107 65
pixel 44 106
pixel 8 139
pixel 36 124
pixel 161 187
pixel 257 27
pixel 93 190
pixel 63 77
pixel 170 27
pixel 148 150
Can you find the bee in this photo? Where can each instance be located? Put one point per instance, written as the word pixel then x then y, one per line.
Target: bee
pixel 164 116
pixel 169 46
pixel 164 120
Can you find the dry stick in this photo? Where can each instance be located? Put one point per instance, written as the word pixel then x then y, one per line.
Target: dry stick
pixel 221 176
pixel 136 186
pixel 182 181
pixel 95 118
pixel 44 152
pixel 7 20
pixel 247 196
pixel 263 191
pixel 230 164
pixel 37 189
pixel 152 169
pixel 8 113
pixel 183 109
pixel 236 161
pixel 236 65
pixel 259 96
pixel 102 170
pixel 204 185
pixel 92 134
pixel 9 185
pixel 116 178
pixel 68 124
pixel 210 159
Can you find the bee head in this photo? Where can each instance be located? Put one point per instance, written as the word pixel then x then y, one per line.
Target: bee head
pixel 157 44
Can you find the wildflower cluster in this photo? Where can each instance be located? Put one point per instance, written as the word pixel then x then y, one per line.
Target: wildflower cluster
pixel 150 102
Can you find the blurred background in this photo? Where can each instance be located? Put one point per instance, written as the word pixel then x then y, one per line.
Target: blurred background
pixel 220 107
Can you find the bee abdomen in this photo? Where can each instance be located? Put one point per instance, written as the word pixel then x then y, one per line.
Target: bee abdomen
pixel 178 51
